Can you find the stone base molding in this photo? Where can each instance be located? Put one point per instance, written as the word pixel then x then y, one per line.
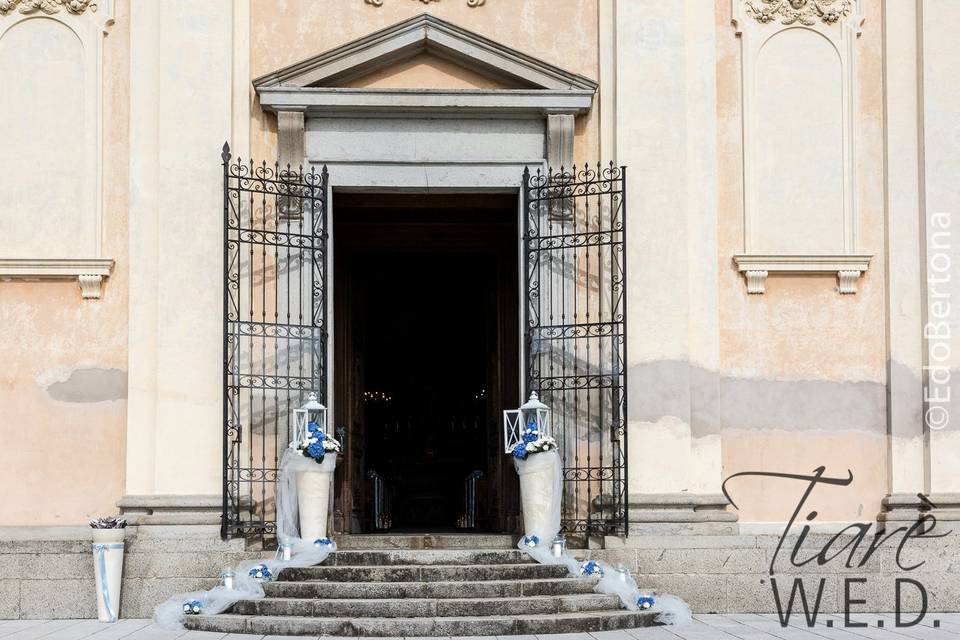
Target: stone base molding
pixel 171 509
pixel 680 514
pixel 48 571
pixel 847 267
pixel 908 507
pixel 89 272
pixel 46 566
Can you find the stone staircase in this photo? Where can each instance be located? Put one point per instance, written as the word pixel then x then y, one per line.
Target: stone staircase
pixel 456 585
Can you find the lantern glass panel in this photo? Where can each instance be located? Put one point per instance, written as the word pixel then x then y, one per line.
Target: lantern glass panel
pixel 532 414
pixel 299 427
pixel 312 412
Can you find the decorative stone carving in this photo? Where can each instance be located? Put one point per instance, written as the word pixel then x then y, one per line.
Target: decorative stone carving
pixel 805 223
pixel 48 7
pixel 806 12
pixel 90 286
pixel 756 281
pixel 848 281
pixel 379 3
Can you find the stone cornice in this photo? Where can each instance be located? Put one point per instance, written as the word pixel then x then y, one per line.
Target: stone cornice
pixel 372 101
pixel 89 272
pixel 847 267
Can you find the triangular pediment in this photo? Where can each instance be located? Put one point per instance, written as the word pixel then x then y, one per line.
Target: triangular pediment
pixel 389 58
pixel 427 71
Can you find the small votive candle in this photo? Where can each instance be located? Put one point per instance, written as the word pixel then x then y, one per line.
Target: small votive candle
pixel 623 573
pixel 559 547
pixel 226 576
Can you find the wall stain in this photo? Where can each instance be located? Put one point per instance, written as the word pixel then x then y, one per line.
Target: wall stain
pixel 90 385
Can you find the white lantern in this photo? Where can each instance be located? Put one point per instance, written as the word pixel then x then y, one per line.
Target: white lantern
pixel 311 412
pixel 532 414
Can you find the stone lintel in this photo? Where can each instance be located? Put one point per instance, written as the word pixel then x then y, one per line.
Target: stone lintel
pixel 334 101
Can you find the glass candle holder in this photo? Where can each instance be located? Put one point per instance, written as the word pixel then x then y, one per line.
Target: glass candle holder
pixel 623 573
pixel 559 547
pixel 226 578
pixel 285 551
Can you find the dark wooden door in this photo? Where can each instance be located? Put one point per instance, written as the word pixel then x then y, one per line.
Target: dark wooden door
pixel 373 233
pixel 348 389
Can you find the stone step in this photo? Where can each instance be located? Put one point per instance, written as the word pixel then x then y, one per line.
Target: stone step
pixel 582 622
pixel 370 541
pixel 425 608
pixel 423 573
pixel 375 590
pixel 422 557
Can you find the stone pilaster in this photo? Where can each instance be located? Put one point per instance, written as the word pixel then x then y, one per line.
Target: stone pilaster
pixel 673 293
pixel 180 116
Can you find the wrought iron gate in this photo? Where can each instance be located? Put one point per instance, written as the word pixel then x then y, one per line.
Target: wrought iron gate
pixel 575 321
pixel 275 326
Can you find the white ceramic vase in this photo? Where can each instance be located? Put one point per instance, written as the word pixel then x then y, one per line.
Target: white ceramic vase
pixel 536 495
pixel 108 571
pixel 314 494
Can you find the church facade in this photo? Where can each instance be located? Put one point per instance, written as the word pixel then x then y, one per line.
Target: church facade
pixel 714 237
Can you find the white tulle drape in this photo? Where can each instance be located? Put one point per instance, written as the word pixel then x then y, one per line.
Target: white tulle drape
pixel 304 553
pixel 543 521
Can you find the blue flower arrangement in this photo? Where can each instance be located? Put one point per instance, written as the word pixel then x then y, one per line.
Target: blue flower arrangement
pixel 531 541
pixel 317 444
pixel 591 568
pixel 261 572
pixel 323 542
pixel 532 442
pixel 192 607
pixel 645 602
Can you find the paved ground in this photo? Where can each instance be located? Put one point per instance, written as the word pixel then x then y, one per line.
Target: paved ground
pixel 742 626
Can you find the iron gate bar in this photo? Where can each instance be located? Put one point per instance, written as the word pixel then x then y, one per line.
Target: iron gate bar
pixel 575 342
pixel 275 330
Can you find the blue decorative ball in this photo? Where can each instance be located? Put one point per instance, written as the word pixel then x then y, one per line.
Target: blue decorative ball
pixel 531 541
pixel 520 451
pixel 323 542
pixel 645 602
pixel 192 607
pixel 260 572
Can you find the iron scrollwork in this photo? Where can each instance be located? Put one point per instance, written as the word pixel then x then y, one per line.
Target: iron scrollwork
pixel 575 343
pixel 275 332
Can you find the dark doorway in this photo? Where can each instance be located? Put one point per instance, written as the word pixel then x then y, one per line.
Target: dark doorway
pixel 426 352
